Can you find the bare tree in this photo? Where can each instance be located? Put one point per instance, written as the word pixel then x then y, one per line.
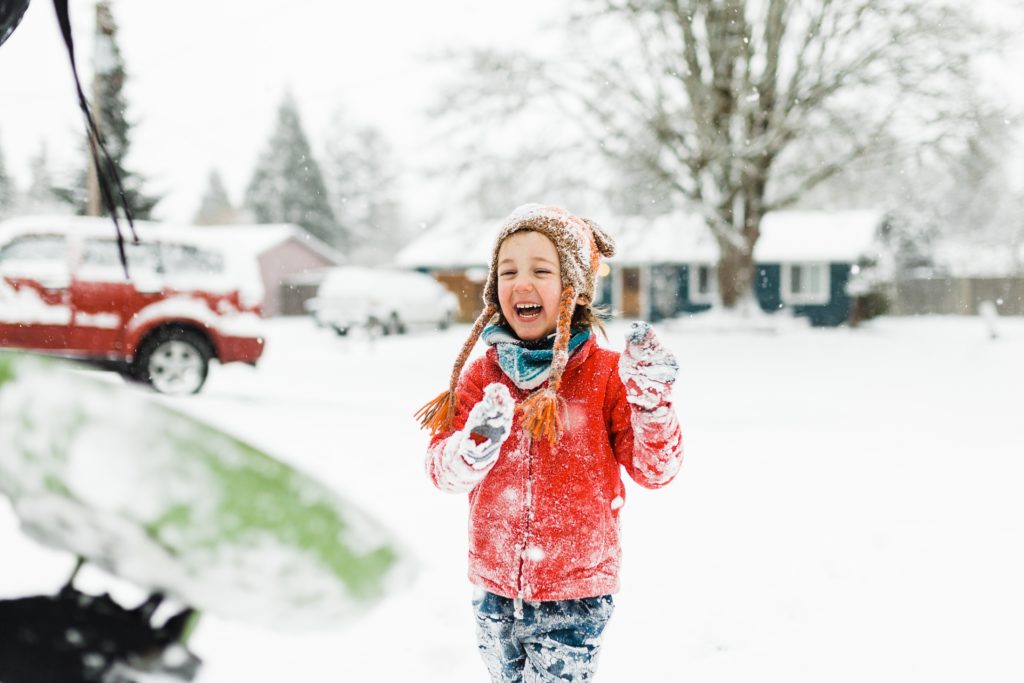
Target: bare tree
pixel 362 175
pixel 969 193
pixel 739 107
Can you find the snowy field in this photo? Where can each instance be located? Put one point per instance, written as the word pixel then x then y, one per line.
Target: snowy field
pixel 850 509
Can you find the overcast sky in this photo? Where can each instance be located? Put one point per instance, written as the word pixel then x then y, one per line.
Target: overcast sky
pixel 206 77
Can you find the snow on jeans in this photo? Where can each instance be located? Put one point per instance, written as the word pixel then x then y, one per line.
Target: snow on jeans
pixel 542 642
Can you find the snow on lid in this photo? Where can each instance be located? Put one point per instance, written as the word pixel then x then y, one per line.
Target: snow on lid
pixel 788 236
pixel 163 506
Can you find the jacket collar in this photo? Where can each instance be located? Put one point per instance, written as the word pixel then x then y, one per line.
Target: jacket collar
pixel 575 360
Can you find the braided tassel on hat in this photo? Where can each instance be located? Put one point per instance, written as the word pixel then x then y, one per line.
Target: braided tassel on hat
pixel 541 408
pixel 438 414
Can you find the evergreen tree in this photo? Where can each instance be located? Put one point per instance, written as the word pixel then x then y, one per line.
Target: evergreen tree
pixel 287 186
pixel 110 107
pixel 363 179
pixel 215 206
pixel 6 189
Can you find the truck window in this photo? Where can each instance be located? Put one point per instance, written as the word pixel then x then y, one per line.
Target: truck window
pixel 35 248
pixel 102 256
pixel 181 258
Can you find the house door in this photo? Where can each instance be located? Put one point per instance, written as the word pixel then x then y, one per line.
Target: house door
pixel 631 293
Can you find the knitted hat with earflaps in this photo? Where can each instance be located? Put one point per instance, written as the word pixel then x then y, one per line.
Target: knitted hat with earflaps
pixel 580 244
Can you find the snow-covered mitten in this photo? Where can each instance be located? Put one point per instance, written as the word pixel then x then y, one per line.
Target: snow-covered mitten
pixel 646 368
pixel 491 420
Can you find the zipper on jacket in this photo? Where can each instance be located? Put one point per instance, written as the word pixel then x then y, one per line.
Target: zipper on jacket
pixel 528 511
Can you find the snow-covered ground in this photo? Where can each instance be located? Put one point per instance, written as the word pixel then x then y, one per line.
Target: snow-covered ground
pixel 849 510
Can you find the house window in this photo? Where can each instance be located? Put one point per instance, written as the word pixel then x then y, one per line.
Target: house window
pixel 805 283
pixel 664 292
pixel 703 284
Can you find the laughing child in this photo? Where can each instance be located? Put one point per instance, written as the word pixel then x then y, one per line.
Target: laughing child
pixel 537 431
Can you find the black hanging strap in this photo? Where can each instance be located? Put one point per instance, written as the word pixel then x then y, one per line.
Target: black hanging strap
pixel 106 174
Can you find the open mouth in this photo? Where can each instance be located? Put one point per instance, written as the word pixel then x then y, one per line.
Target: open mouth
pixel 528 312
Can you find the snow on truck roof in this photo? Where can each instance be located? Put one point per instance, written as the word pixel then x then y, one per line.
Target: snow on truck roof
pixel 239 246
pixel 243 240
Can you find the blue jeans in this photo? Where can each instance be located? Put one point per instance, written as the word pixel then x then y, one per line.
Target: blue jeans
pixel 541 642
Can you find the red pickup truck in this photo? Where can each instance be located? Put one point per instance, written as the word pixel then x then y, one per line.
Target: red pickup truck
pixel 63 291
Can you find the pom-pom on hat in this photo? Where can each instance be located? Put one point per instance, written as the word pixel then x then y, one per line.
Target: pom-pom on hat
pixel 580 244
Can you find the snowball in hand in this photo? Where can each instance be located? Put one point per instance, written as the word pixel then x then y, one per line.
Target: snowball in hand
pixel 646 368
pixel 491 418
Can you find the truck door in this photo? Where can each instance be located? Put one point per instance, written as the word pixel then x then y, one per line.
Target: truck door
pixel 104 300
pixel 35 309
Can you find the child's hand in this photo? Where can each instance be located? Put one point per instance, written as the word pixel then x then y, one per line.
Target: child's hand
pixel 646 368
pixel 491 419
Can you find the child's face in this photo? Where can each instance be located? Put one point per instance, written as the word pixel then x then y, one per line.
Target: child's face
pixel 529 284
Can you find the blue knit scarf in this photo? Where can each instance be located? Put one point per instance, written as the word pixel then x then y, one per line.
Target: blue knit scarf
pixel 527 363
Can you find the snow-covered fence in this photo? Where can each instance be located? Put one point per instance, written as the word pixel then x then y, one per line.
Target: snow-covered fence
pixel 951 296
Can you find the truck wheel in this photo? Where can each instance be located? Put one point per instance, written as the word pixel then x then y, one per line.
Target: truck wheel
pixel 173 361
pixel 395 325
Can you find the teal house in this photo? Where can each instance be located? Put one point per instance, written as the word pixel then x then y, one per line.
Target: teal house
pixel 666 266
pixel 804 260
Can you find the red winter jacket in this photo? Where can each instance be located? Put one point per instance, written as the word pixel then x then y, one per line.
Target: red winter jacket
pixel 544 520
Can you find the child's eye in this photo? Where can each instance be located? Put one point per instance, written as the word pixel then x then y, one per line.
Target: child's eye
pixel 504 273
pixel 542 271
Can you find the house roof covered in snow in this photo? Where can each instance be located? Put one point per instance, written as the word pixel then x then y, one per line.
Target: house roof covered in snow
pixel 786 236
pixel 451 245
pixel 670 238
pixel 258 239
pixel 817 235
